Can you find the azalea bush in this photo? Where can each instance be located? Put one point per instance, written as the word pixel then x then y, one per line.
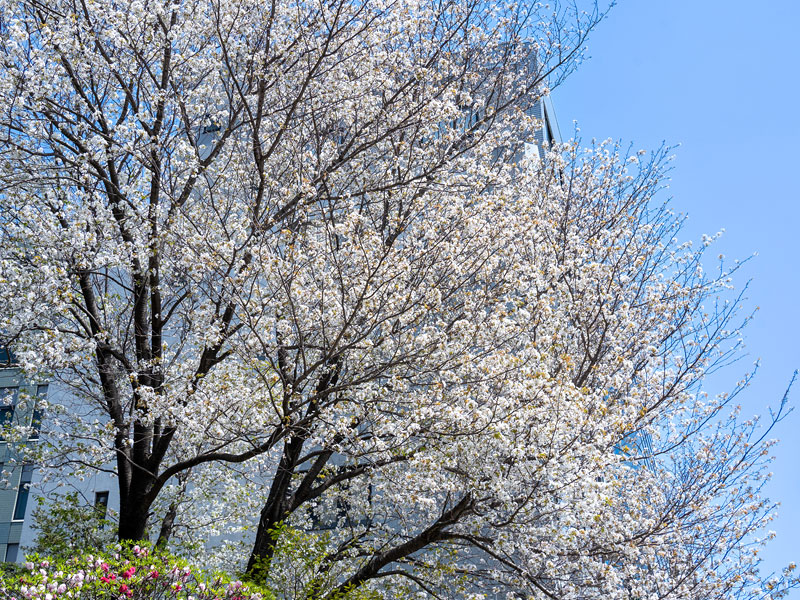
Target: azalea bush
pixel 136 572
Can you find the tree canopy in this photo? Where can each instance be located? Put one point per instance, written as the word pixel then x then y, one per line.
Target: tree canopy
pixel 295 267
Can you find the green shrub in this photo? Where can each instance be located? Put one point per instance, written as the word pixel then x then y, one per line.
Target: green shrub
pixel 66 527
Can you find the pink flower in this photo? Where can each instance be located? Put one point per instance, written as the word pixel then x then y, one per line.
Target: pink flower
pixel 124 589
pixel 128 573
pixel 153 574
pixel 104 566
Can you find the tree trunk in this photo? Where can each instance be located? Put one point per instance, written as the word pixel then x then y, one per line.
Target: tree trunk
pixel 275 510
pixel 133 515
pixel 167 524
pixel 135 502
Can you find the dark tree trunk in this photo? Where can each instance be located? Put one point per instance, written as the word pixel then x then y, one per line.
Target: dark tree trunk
pixel 134 512
pixel 276 509
pixel 139 488
pixel 281 501
pixel 167 525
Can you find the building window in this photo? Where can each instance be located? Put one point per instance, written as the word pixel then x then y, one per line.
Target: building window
pixel 101 504
pixel 6 414
pixel 8 399
pixel 6 357
pixel 12 550
pixel 36 419
pixel 23 492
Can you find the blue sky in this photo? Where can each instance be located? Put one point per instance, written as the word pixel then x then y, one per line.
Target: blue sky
pixel 722 79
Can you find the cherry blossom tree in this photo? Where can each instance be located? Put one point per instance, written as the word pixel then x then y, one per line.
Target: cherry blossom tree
pixel 299 249
pixel 560 445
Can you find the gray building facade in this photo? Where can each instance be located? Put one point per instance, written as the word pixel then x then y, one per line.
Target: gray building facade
pixel 19 407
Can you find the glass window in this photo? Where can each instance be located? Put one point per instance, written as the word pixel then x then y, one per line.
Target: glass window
pixel 23 492
pixel 8 399
pixel 101 499
pixel 36 423
pixel 101 504
pixel 6 357
pixel 12 550
pixel 36 418
pixel 6 415
pixel 8 396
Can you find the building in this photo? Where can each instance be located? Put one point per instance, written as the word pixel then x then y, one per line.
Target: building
pixel 19 407
pixel 19 492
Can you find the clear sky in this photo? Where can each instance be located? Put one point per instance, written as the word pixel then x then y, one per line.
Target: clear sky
pixel 722 79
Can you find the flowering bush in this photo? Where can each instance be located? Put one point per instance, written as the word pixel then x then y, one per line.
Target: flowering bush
pixel 135 572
